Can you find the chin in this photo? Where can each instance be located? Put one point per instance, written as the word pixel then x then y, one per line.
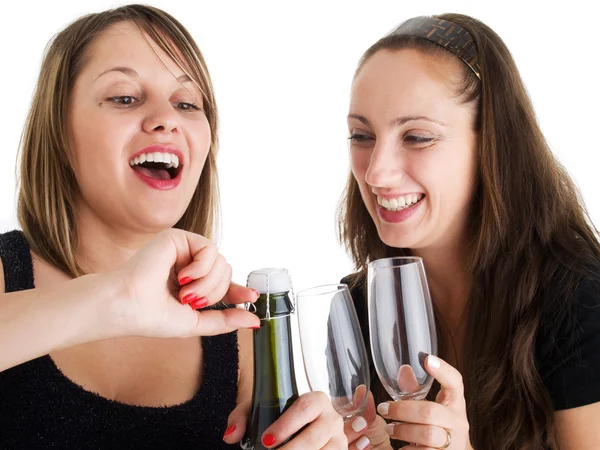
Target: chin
pixel 159 220
pixel 395 239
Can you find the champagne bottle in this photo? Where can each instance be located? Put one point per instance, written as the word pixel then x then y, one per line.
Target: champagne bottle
pixel 274 380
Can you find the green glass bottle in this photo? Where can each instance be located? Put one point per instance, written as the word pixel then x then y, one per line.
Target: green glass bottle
pixel 274 380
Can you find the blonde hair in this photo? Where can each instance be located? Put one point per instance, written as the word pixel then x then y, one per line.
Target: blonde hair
pixel 47 189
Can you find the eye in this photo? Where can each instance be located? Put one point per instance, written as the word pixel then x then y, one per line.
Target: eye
pixel 185 106
pixel 124 100
pixel 361 139
pixel 417 140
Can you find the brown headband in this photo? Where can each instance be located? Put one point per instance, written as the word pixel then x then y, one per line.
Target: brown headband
pixel 445 34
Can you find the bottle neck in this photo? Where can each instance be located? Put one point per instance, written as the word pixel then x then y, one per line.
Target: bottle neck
pixel 274 377
pixel 276 304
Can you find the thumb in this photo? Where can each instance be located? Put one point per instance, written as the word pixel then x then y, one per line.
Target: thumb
pixel 236 423
pixel 362 424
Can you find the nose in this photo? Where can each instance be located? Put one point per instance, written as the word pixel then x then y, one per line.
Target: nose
pixel 161 118
pixel 386 166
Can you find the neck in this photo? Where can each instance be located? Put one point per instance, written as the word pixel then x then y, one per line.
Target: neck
pixel 449 283
pixel 102 248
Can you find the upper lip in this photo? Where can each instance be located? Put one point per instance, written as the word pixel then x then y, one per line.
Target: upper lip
pixel 161 148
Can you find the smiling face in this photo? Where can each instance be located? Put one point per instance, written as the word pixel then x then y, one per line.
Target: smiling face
pixel 139 136
pixel 413 148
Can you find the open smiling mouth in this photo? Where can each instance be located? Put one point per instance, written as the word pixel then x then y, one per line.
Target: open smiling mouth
pixel 399 203
pixel 157 165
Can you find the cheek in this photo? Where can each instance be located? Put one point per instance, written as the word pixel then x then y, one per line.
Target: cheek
pixel 450 177
pixel 100 138
pixel 199 139
pixel 359 164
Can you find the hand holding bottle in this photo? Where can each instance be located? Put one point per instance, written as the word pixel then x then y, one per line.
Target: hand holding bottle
pixel 311 418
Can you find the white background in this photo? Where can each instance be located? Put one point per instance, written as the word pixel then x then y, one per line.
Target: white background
pixel 282 73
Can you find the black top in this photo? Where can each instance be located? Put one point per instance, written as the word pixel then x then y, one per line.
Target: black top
pixel 41 408
pixel 567 351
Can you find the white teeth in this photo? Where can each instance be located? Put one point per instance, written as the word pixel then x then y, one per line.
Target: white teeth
pixel 171 160
pixel 396 204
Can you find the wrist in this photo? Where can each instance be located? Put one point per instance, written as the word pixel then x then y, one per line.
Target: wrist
pixel 111 295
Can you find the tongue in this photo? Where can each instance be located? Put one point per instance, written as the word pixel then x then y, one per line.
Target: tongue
pixel 157 174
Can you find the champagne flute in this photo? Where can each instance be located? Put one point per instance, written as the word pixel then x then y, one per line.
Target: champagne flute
pixel 333 350
pixel 401 326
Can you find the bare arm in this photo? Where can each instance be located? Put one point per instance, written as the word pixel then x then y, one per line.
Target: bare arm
pixel 578 427
pixel 141 298
pixel 246 382
pixel 38 321
pixel 2 287
pixel 236 424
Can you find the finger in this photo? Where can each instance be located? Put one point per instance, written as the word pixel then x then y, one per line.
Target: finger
pixel 359 402
pixel 442 397
pixel 318 433
pixel 208 287
pixel 416 411
pixel 239 294
pixel 305 410
pixel 236 423
pixel 407 380
pixel 203 261
pixel 356 427
pixel 336 443
pixel 188 245
pixel 449 378
pixel 424 435
pixel 361 443
pixel 213 322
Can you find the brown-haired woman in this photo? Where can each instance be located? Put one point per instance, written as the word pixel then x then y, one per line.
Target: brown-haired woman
pixel 117 202
pixel 449 163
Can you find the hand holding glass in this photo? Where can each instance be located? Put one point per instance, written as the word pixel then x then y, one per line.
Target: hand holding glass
pixel 401 325
pixel 333 349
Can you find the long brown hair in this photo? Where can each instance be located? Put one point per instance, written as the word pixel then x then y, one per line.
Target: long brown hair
pixel 531 244
pixel 47 191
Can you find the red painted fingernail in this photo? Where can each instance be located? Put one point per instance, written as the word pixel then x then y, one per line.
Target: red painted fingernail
pixel 230 429
pixel 268 440
pixel 185 280
pixel 256 292
pixel 200 303
pixel 189 298
pixel 256 327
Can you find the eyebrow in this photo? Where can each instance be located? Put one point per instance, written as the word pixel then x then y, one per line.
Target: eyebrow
pixel 133 74
pixel 398 121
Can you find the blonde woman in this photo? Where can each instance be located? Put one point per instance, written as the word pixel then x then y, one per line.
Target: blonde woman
pixel 107 288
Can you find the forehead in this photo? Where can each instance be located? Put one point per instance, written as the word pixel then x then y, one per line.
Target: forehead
pixel 406 77
pixel 123 44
